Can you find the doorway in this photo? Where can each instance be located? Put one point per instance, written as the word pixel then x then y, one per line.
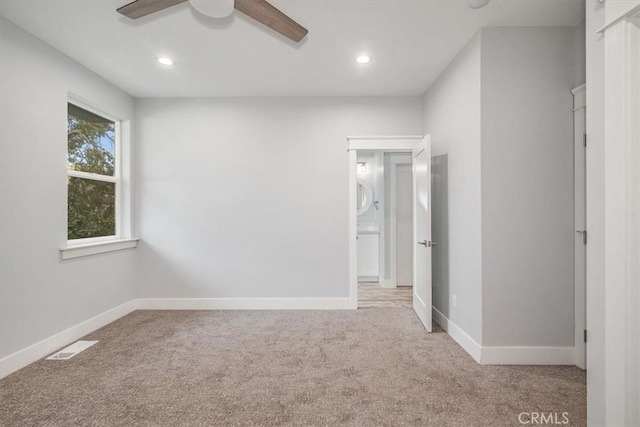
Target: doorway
pixel 371 228
pixel 384 205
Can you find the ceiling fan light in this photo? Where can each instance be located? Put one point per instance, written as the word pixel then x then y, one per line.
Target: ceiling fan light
pixel 213 8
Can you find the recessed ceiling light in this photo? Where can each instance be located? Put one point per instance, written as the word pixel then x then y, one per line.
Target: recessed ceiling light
pixel 363 59
pixel 165 61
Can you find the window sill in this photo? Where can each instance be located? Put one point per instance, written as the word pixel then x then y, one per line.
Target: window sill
pixel 86 249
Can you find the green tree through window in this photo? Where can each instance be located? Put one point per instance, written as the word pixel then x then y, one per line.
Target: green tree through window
pixel 91 164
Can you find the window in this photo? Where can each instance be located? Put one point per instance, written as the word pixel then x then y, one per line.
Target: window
pixel 93 175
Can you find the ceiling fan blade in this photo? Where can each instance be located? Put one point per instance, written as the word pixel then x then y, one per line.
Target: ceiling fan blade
pixel 140 8
pixel 268 15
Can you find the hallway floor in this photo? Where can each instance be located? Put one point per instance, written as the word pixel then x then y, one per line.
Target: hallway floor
pixel 374 295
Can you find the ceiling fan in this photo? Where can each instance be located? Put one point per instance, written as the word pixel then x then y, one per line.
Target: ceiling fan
pixel 260 10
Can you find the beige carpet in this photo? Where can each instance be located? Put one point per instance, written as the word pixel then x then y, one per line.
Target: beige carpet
pixel 370 367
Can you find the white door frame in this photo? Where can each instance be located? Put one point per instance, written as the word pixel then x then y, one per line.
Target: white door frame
pixel 394 161
pixel 404 143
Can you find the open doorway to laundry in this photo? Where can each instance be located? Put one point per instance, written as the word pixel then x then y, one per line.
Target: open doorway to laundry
pixel 385 228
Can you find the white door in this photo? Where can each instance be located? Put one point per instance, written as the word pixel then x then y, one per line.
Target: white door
pixel 580 200
pixel 404 225
pixel 422 232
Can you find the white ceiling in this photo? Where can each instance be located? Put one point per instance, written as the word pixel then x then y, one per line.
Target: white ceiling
pixel 410 42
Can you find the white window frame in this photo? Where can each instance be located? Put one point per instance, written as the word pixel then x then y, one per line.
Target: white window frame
pixel 122 238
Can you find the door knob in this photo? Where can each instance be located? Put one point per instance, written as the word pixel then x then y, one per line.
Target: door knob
pixel 425 243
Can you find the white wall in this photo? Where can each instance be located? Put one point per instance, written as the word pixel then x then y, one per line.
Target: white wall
pixel 249 197
pixel 452 117
pixel 39 294
pixel 527 186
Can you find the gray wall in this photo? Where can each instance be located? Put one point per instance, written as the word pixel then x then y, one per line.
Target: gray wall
pixel 249 197
pixel 452 117
pixel 580 53
pixel 40 295
pixel 501 122
pixel 527 186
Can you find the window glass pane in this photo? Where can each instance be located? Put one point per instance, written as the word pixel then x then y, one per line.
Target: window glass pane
pixel 91 208
pixel 91 142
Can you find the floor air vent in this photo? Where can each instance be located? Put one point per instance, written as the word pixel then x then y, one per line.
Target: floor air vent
pixel 70 351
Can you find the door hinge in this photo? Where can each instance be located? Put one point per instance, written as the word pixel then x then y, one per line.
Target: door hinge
pixel 584 140
pixel 585 335
pixel 584 235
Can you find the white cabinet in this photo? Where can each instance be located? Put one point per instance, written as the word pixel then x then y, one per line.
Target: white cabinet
pixel 368 254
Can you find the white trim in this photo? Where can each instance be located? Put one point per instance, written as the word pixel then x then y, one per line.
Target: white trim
pixel 353 229
pixel 85 104
pixel 627 14
pixel 92 176
pixel 465 341
pixel 47 346
pixel 579 97
pixel 24 357
pixel 579 89
pixel 504 355
pixel 383 137
pixel 527 356
pixel 244 304
pixel 390 143
pixel 393 245
pixel 79 250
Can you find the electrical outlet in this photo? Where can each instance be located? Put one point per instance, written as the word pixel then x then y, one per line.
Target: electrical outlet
pixel 454 301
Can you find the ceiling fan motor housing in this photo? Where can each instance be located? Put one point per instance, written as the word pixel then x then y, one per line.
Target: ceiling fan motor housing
pixel 475 4
pixel 213 8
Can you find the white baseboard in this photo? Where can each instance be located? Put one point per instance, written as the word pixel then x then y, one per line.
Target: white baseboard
pixel 466 342
pixel 244 304
pixel 387 283
pixel 505 355
pixel 528 356
pixel 37 351
pixel 483 355
pixel 24 357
